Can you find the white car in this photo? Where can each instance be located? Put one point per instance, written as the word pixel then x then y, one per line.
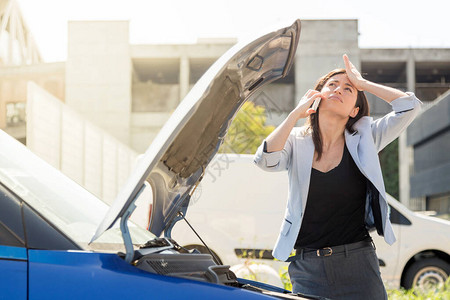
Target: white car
pixel 238 209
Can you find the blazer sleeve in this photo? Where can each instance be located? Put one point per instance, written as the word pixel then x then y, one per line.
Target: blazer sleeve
pixel 277 160
pixel 389 127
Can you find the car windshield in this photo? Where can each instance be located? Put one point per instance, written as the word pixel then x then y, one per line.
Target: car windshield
pixel 67 205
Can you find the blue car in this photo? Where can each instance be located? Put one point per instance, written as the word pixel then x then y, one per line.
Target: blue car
pixel 58 241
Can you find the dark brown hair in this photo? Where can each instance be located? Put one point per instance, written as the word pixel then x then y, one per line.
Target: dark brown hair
pixel 312 123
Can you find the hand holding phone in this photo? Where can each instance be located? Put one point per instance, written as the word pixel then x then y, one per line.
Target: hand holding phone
pixel 313 108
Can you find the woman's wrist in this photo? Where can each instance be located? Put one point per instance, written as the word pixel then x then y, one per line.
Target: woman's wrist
pixel 294 116
pixel 364 85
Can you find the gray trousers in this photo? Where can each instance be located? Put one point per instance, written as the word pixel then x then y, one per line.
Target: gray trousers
pixel 353 274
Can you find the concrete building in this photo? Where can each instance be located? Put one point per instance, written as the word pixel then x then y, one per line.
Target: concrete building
pixel 131 90
pixel 20 62
pixel 429 136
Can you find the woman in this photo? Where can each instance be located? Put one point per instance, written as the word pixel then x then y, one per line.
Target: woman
pixel 336 189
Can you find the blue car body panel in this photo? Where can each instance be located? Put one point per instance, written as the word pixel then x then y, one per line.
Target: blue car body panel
pixel 88 275
pixel 13 274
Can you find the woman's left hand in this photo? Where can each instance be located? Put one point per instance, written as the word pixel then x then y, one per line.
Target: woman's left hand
pixel 353 74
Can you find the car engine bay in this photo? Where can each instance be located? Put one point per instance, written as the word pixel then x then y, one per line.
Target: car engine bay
pixel 165 257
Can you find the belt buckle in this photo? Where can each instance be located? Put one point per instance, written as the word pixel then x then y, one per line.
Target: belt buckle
pixel 330 251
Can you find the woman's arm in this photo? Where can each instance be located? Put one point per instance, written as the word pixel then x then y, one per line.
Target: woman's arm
pixel 277 139
pixel 274 154
pixel 386 93
pixel 389 127
pixel 405 107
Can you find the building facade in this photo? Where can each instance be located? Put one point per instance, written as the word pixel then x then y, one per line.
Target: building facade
pixel 429 136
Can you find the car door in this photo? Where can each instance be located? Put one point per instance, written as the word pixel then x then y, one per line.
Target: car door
pixel 13 253
pixel 13 277
pixel 22 228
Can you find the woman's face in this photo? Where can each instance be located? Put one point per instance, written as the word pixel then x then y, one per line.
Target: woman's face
pixel 339 96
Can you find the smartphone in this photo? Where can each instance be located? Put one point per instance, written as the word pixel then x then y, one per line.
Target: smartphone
pixel 316 103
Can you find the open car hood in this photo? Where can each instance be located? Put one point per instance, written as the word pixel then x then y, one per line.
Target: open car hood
pixel 177 158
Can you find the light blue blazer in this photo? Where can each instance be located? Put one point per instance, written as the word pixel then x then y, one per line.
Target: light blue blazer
pixel 369 138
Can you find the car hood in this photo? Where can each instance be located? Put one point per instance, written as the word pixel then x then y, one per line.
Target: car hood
pixel 177 158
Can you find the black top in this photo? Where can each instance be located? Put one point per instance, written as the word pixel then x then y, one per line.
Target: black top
pixel 334 213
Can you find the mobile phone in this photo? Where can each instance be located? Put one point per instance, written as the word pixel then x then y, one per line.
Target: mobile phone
pixel 316 103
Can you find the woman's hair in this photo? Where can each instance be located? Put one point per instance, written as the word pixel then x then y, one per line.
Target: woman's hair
pixel 312 123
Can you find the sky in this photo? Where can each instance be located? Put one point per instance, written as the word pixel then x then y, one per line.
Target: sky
pixel 382 23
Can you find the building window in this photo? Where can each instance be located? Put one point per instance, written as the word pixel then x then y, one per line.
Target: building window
pixel 15 114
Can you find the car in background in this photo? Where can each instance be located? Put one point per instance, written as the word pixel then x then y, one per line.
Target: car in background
pixel 58 241
pixel 238 210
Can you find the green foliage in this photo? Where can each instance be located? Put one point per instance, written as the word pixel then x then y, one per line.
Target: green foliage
pixel 284 275
pixel 389 165
pixel 247 130
pixel 443 293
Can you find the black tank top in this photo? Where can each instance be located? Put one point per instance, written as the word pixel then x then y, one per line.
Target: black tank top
pixel 334 213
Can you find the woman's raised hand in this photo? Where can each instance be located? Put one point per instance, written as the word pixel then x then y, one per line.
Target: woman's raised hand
pixel 303 108
pixel 353 74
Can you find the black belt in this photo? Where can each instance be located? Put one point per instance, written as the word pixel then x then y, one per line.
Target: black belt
pixel 328 251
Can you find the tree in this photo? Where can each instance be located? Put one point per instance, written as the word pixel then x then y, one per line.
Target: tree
pixel 247 130
pixel 389 165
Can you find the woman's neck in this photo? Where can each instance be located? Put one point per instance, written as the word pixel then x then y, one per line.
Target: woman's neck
pixel 332 131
